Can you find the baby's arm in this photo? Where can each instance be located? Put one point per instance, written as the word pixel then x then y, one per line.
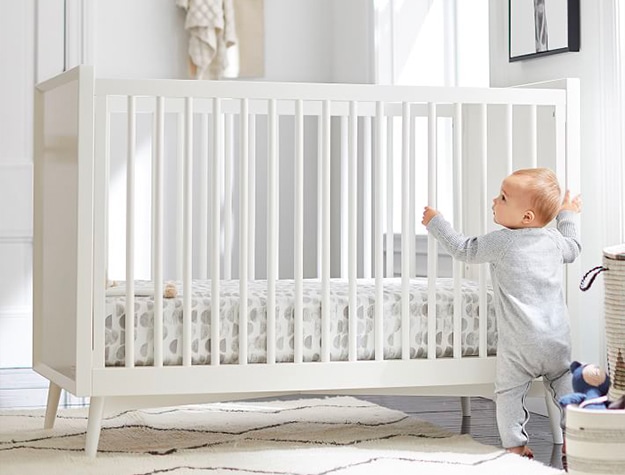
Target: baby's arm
pixel 569 204
pixel 428 214
pixel 487 248
pixel 568 227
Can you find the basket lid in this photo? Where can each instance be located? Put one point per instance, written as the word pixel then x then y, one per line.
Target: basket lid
pixel 615 252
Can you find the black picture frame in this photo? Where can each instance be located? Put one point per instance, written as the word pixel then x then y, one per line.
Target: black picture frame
pixel 539 28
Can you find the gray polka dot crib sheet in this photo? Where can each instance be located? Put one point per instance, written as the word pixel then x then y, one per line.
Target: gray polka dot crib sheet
pixel 285 303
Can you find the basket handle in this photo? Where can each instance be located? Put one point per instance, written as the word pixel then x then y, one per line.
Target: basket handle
pixel 592 274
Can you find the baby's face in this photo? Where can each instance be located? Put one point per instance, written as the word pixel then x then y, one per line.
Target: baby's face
pixel 512 203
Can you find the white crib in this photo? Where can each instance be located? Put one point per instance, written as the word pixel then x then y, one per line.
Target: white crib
pixel 296 205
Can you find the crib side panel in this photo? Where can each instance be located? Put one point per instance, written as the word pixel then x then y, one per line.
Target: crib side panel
pixel 328 154
pixel 63 230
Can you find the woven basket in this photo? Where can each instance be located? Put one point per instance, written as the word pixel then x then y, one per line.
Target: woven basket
pixel 615 320
pixel 614 308
pixel 595 441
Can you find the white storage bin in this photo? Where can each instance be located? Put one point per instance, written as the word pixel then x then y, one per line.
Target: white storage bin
pixel 595 441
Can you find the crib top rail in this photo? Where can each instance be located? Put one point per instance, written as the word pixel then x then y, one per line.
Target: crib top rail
pixel 539 94
pixel 327 92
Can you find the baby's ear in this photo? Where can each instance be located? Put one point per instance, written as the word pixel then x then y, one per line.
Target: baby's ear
pixel 528 217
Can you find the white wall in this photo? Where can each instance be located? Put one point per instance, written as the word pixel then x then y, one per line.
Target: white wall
pixel 352 48
pixel 305 40
pixel 16 85
pixel 298 40
pixel 601 185
pixel 139 39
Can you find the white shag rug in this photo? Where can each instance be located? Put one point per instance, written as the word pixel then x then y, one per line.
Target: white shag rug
pixel 331 436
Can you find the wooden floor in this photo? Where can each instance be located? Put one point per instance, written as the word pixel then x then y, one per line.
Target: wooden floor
pixel 23 388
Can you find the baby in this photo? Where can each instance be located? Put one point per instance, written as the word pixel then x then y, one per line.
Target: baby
pixel 525 260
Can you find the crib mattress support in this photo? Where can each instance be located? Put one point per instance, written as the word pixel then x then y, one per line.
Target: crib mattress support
pixel 290 377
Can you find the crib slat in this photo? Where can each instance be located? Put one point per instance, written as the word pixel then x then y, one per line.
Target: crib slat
pixel 406 234
pixel 320 152
pixel 560 139
pixel 380 182
pixel 325 246
pixel 252 197
pixel 202 257
pixel 366 197
pixel 345 216
pixel 459 225
pixel 533 129
pixel 180 143
pixel 272 231
pixel 508 137
pixel 432 244
pixel 390 228
pixel 412 169
pixel 130 235
pixel 483 308
pixel 157 238
pixel 353 230
pixel 299 233
pixel 215 225
pixel 228 160
pixel 244 228
pixel 187 247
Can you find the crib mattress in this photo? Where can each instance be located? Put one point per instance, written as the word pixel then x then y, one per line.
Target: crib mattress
pixel 285 297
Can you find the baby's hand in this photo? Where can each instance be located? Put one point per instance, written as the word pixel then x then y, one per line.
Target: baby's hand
pixel 428 214
pixel 569 204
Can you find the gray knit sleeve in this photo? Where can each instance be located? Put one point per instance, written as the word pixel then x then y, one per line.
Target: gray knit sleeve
pixel 567 225
pixel 487 248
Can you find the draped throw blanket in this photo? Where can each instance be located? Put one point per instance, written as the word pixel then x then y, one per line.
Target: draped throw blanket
pixel 212 30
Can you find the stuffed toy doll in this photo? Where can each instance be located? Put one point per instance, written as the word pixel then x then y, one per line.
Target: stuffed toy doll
pixel 591 385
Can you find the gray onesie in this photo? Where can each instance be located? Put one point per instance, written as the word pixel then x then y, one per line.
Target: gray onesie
pixel 532 320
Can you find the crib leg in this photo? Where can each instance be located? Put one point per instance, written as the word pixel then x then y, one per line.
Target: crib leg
pixel 465 403
pixel 54 395
pixel 554 418
pixel 96 410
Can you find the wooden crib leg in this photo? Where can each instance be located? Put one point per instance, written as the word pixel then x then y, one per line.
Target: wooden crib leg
pixel 554 418
pixel 54 395
pixel 96 410
pixel 465 403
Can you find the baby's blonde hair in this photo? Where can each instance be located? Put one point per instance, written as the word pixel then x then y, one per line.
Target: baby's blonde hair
pixel 546 198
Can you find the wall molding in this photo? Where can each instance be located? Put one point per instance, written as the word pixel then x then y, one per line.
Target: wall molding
pixel 612 97
pixel 16 312
pixel 17 164
pixel 79 33
pixel 620 72
pixel 18 237
pixel 49 39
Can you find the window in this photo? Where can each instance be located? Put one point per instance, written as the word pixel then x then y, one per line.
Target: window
pixel 431 43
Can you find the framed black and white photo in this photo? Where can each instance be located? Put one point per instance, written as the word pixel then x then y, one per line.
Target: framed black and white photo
pixel 542 27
